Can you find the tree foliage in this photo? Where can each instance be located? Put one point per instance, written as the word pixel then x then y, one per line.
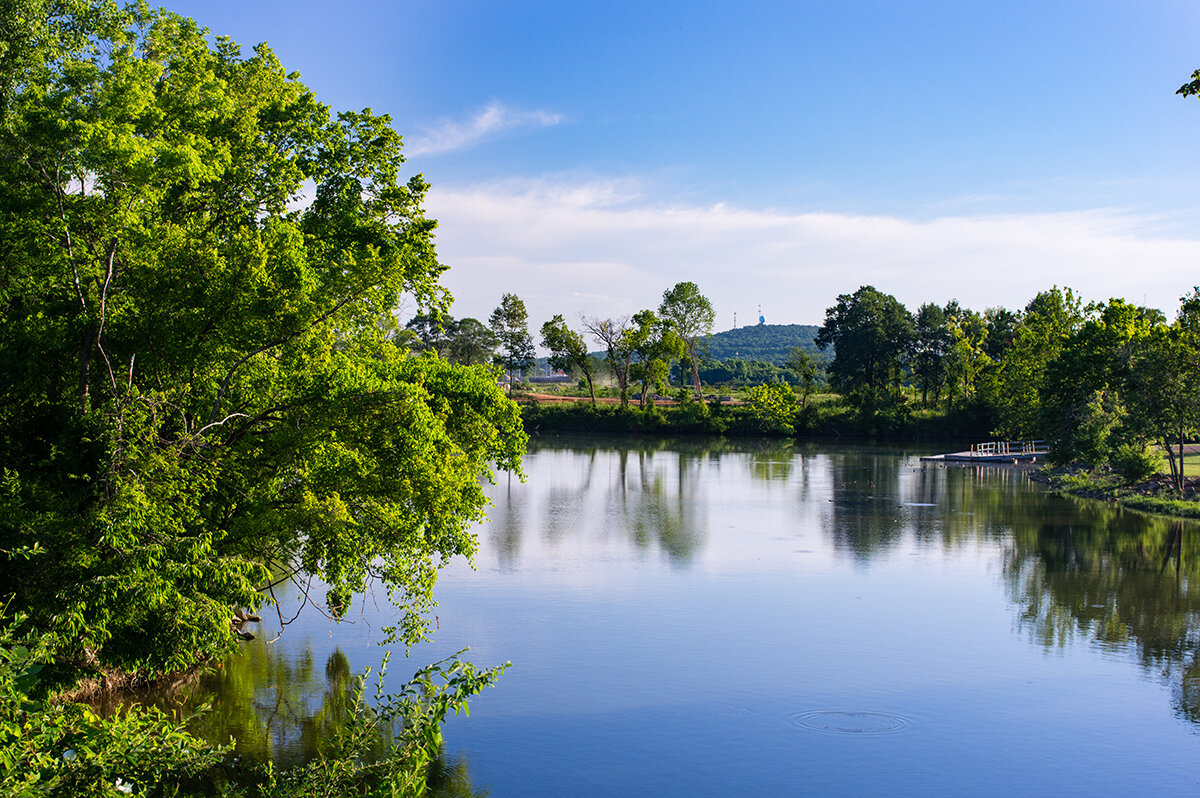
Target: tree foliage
pixel 198 394
pixel 693 316
pixel 1048 321
pixel 1163 372
pixel 655 345
pixel 931 344
pixel 871 334
pixel 465 341
pixel 510 324
pixel 568 351
pixel 59 749
pixel 774 406
pixel 804 369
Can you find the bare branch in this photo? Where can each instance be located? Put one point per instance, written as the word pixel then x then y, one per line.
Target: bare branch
pixel 206 427
pixel 108 276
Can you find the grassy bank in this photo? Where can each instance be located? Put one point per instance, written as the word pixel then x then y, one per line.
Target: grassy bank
pixel 1154 495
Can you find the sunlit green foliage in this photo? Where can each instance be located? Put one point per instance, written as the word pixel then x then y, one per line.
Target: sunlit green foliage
pixel 656 343
pixel 693 316
pixel 774 405
pixel 198 394
pixel 510 324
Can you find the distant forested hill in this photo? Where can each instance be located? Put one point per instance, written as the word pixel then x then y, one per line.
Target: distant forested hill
pixel 769 342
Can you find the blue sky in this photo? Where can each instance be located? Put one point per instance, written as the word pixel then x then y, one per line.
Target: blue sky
pixel 587 156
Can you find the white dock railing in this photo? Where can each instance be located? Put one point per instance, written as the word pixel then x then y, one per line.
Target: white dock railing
pixel 1002 448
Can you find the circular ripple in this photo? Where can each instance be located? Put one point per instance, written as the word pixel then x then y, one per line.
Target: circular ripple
pixel 837 721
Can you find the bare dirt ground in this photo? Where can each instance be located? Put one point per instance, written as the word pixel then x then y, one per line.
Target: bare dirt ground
pixel 553 398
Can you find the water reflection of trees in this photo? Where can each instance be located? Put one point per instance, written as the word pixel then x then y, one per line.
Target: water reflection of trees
pixel 507 522
pixel 659 500
pixel 267 702
pixel 655 492
pixel 285 710
pixel 1119 580
pixel 878 500
pixel 864 514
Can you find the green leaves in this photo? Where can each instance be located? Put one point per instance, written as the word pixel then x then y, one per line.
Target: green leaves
pixel 871 334
pixel 774 406
pixel 197 388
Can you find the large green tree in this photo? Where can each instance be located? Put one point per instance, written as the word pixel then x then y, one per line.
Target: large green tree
pixel 470 342
pixel 693 316
pixel 198 394
pixel 466 341
pixel 510 323
pixel 568 351
pixel 1162 374
pixel 655 345
pixel 1049 320
pixel 1085 387
pixel 930 346
pixel 872 335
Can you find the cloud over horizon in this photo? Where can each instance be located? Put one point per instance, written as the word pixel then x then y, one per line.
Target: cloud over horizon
pixel 603 249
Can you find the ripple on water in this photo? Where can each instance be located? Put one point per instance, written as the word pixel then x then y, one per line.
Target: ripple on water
pixel 839 721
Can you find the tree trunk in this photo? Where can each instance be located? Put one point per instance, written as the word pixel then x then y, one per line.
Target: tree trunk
pixel 1179 481
pixel 1166 443
pixel 695 369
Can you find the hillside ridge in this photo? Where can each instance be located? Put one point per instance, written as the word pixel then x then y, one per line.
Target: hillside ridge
pixel 769 342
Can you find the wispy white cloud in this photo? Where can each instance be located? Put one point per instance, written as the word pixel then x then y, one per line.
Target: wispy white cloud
pixel 487 122
pixel 604 248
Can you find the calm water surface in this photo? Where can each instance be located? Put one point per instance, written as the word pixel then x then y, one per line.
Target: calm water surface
pixel 715 618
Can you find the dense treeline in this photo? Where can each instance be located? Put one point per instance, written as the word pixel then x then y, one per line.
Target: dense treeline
pixel 1107 382
pixel 1104 381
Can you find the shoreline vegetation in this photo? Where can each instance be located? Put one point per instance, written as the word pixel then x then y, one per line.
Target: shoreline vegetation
pixel 831 419
pixel 823 418
pixel 1156 495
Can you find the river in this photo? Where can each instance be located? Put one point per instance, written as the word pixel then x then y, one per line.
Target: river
pixel 715 618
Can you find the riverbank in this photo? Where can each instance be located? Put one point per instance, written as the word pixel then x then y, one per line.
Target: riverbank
pixel 1154 495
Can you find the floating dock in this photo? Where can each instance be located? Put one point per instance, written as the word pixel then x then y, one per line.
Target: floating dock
pixel 996 452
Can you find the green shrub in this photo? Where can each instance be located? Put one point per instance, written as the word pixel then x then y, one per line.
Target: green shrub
pixel 1135 462
pixel 774 407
